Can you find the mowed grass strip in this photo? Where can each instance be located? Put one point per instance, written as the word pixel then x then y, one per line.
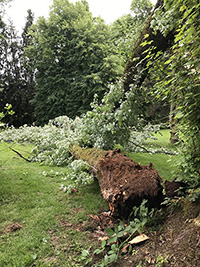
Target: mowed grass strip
pixel 166 165
pixel 52 221
pixel 34 201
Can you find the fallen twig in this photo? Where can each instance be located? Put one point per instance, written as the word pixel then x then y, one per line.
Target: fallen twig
pixel 19 154
pixel 139 146
pixel 154 152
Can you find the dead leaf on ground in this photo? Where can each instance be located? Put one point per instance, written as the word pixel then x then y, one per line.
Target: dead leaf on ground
pixel 94 217
pixel 124 249
pixel 138 239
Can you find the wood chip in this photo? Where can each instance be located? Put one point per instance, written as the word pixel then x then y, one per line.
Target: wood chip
pixel 124 249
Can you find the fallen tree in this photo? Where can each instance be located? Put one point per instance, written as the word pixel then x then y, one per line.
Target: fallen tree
pixel 123 182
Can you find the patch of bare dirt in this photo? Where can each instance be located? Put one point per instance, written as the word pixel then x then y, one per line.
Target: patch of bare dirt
pixel 98 224
pixel 12 228
pixel 125 184
pixel 177 244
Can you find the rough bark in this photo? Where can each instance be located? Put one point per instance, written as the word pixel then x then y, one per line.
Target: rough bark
pixel 123 182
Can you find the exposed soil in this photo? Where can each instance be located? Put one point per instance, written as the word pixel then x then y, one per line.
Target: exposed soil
pixel 174 237
pixel 177 243
pixel 125 184
pixel 12 228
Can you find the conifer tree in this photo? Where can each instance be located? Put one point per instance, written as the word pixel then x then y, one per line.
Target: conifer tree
pixel 16 77
pixel 73 60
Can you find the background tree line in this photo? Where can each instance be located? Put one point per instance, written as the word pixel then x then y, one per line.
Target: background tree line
pixel 58 64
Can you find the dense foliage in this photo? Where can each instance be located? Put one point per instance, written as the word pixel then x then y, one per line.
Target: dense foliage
pixel 127 29
pixel 16 78
pixel 177 77
pixel 73 55
pixel 73 58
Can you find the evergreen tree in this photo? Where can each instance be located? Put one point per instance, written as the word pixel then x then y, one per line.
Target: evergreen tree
pixel 27 70
pixel 15 78
pixel 73 60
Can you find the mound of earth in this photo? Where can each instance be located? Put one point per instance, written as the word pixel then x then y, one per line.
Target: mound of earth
pixel 125 184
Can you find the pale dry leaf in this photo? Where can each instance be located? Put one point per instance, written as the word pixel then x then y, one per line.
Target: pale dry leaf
pixel 138 239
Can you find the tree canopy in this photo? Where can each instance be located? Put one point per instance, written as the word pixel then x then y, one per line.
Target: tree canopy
pixel 16 78
pixel 73 59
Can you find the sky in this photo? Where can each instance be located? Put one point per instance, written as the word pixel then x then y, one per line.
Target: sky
pixel 109 10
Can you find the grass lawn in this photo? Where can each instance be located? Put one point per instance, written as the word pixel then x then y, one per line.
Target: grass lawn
pixel 50 218
pixel 35 202
pixel 163 139
pixel 165 164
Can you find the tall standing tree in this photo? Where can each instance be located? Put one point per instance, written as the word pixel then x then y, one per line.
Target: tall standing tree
pixel 73 60
pixel 10 72
pixel 16 78
pixel 27 70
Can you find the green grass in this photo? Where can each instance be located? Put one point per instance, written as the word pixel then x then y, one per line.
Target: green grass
pixel 163 139
pixel 165 164
pixel 35 201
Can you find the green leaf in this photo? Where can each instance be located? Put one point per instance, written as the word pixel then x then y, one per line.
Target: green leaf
pixel 114 247
pixel 106 259
pixel 103 243
pixel 109 232
pixel 88 261
pixel 112 257
pixel 120 234
pixel 98 251
pixel 116 229
pixel 112 239
pixel 85 253
pixel 121 226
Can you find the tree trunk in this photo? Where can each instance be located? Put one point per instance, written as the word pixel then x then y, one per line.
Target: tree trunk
pixel 123 182
pixel 160 43
pixel 173 133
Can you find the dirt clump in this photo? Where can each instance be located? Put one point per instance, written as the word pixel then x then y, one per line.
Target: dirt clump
pixel 125 184
pixel 12 228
